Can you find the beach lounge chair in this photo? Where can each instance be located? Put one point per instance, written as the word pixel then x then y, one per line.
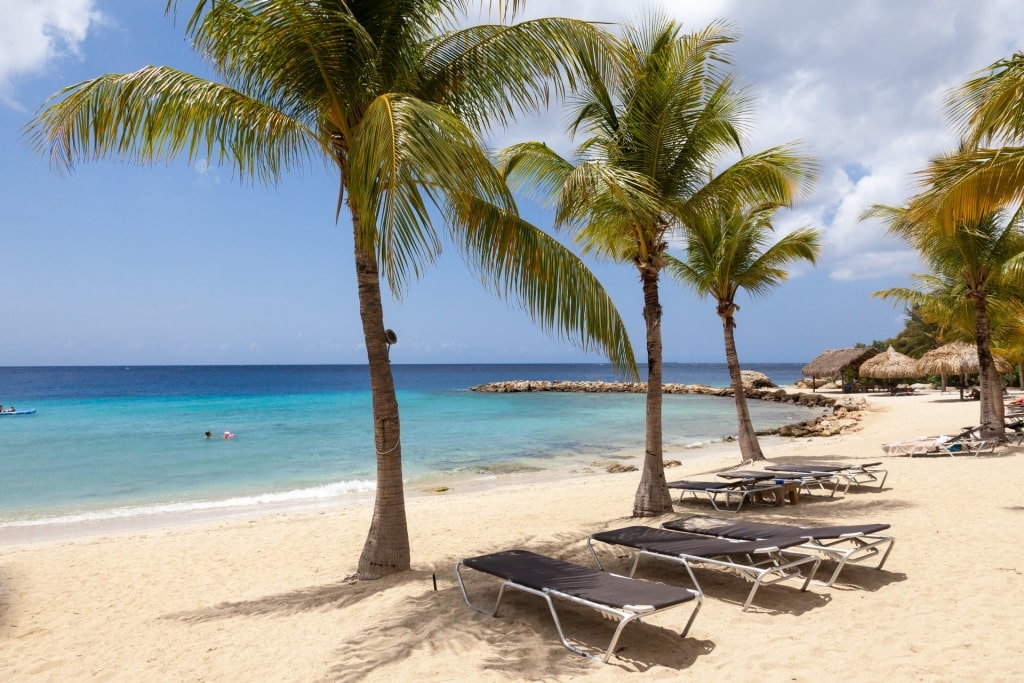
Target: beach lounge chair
pixel 854 475
pixel 613 596
pixel 1015 431
pixel 760 562
pixel 731 492
pixel 967 442
pixel 850 544
pixel 806 480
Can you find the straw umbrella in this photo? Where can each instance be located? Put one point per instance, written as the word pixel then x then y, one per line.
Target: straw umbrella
pixel 890 365
pixel 958 358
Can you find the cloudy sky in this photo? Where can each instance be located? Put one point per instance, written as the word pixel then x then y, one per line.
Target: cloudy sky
pixel 117 264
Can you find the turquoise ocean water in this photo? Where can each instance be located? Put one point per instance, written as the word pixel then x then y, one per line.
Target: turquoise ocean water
pixel 120 442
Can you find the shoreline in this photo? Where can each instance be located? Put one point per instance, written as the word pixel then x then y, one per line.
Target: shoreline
pixel 137 519
pixel 270 597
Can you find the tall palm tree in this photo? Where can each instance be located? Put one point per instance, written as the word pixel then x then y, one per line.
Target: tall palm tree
pixel 978 264
pixel 391 96
pixel 656 128
pixel 730 250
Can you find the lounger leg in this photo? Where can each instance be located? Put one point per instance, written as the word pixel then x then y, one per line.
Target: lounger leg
pixel 597 560
pixel 782 572
pixel 469 603
pixel 864 549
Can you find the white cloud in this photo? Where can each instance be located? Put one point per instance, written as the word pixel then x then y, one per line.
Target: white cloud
pixel 34 33
pixel 860 84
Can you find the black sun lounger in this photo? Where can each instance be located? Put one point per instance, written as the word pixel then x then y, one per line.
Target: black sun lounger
pixel 616 596
pixel 738 492
pixel 850 544
pixel 762 563
pixel 853 475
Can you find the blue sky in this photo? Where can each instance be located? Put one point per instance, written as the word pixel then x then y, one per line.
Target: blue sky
pixel 178 264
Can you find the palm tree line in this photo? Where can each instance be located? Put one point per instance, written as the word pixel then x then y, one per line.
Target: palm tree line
pixel 394 96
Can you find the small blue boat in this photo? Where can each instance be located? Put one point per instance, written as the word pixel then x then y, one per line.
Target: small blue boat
pixel 28 411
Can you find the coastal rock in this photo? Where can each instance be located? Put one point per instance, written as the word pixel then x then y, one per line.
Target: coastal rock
pixel 753 379
pixel 843 421
pixel 619 467
pixel 841 414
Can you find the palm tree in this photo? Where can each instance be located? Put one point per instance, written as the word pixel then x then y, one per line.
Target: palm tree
pixel 977 277
pixel 656 128
pixel 727 251
pixel 390 96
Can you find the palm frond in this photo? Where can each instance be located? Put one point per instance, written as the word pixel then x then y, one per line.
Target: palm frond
pixel 299 55
pixel 989 106
pixel 553 285
pixel 776 176
pixel 405 156
pixel 158 114
pixel 970 183
pixel 534 169
pixel 489 73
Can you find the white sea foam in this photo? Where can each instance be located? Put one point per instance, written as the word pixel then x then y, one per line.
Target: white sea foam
pixel 312 494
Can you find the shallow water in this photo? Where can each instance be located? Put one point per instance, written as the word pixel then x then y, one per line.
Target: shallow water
pixel 118 442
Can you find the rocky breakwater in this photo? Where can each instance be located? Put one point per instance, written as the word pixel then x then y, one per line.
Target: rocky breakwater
pixel 841 415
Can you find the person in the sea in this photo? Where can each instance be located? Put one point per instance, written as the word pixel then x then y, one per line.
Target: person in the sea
pixel 228 435
pixel 209 435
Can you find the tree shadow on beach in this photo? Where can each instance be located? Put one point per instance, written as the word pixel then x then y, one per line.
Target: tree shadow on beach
pixel 522 640
pixel 339 594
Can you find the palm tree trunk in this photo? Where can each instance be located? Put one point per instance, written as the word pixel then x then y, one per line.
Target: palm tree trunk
pixel 750 449
pixel 386 550
pixel 652 495
pixel 991 417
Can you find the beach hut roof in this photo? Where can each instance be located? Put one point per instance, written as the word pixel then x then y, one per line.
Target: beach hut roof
pixel 890 365
pixel 833 362
pixel 958 358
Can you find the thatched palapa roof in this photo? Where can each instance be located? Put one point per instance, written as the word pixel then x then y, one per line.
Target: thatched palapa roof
pixel 890 365
pixel 958 358
pixel 832 362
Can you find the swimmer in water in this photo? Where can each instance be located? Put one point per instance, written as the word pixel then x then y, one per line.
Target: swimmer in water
pixel 228 435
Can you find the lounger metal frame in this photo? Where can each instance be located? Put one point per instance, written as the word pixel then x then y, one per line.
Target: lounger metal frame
pixel 805 479
pixel 844 549
pixel 776 566
pixel 852 475
pixel 626 614
pixel 745 491
pixel 864 548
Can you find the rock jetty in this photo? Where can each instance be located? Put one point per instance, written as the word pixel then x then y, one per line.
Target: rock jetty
pixel 841 416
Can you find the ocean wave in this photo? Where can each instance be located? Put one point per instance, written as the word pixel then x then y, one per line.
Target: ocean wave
pixel 311 494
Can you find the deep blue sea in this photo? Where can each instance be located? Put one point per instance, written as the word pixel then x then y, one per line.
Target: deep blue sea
pixel 116 442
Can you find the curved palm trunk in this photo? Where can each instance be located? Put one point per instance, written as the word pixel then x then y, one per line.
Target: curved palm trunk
pixel 652 495
pixel 386 550
pixel 750 449
pixel 991 383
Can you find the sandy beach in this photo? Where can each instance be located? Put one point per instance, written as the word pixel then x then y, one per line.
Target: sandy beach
pixel 268 598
